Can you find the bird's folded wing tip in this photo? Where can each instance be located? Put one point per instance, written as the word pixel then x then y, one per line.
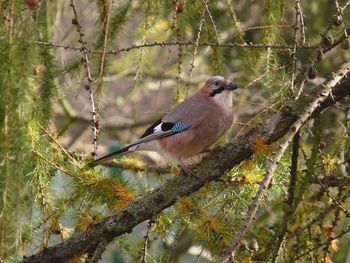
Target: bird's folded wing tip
pixel 91 164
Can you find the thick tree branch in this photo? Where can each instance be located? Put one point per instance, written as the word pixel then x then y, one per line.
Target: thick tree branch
pixel 210 169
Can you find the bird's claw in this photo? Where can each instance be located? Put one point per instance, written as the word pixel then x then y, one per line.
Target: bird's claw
pixel 188 170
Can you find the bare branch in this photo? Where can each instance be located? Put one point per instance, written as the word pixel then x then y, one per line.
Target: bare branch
pixel 105 38
pixel 145 244
pixel 295 41
pixel 195 51
pixel 96 256
pixel 179 43
pixel 290 209
pixel 345 6
pixel 85 60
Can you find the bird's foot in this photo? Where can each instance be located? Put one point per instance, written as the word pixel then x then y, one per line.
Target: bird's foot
pixel 207 151
pixel 188 170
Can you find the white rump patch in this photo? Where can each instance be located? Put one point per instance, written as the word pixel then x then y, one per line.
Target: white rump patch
pixel 133 148
pixel 158 128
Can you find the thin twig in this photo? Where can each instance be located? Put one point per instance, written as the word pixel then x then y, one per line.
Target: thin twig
pixel 183 43
pixel 145 244
pixel 264 74
pixel 172 28
pixel 58 45
pixel 58 144
pixel 235 20
pixel 85 61
pixel 212 20
pixel 318 54
pixel 43 203
pixel 321 244
pixel 340 16
pixel 195 51
pixel 56 166
pixel 334 200
pixel 290 209
pixel 99 251
pixel 342 158
pixel 295 42
pixel 105 38
pixel 261 27
pixel 302 23
pixel 329 232
pixel 345 6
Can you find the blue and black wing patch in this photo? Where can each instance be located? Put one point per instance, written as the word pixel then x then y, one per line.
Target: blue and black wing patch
pixel 170 127
pixel 179 127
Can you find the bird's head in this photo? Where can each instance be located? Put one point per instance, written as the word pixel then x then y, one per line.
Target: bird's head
pixel 219 85
pixel 220 89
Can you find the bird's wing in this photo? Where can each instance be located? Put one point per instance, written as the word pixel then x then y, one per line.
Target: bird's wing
pixel 181 118
pixel 189 111
pixel 161 129
pixel 156 131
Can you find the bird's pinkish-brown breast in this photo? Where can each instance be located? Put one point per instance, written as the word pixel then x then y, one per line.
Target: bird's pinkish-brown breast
pixel 199 137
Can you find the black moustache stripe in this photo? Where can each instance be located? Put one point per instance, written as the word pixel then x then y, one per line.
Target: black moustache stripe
pixel 217 91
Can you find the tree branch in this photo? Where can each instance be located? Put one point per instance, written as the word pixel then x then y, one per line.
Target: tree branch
pixel 290 203
pixel 211 168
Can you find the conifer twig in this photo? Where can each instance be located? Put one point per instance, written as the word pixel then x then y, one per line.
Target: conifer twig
pixel 334 200
pixel 206 4
pixel 57 143
pixel 235 20
pixel 318 54
pixel 172 28
pixel 290 209
pixel 329 232
pixel 145 243
pixel 86 63
pixel 105 38
pixel 340 12
pixel 302 23
pixel 321 244
pixel 96 256
pixel 345 6
pixel 183 43
pixel 195 51
pixel 295 41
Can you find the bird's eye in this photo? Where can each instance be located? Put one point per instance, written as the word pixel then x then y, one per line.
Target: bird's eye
pixel 217 83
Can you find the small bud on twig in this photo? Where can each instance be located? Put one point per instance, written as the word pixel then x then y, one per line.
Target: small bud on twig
pixel 285 53
pixel 337 20
pixel 328 41
pixel 320 55
pixel 312 73
pixel 345 44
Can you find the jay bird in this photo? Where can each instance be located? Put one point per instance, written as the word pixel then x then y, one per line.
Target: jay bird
pixel 190 128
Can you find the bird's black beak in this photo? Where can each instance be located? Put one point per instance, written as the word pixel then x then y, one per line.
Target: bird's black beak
pixel 231 85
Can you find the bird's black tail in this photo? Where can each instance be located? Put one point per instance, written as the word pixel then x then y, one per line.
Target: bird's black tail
pixel 111 156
